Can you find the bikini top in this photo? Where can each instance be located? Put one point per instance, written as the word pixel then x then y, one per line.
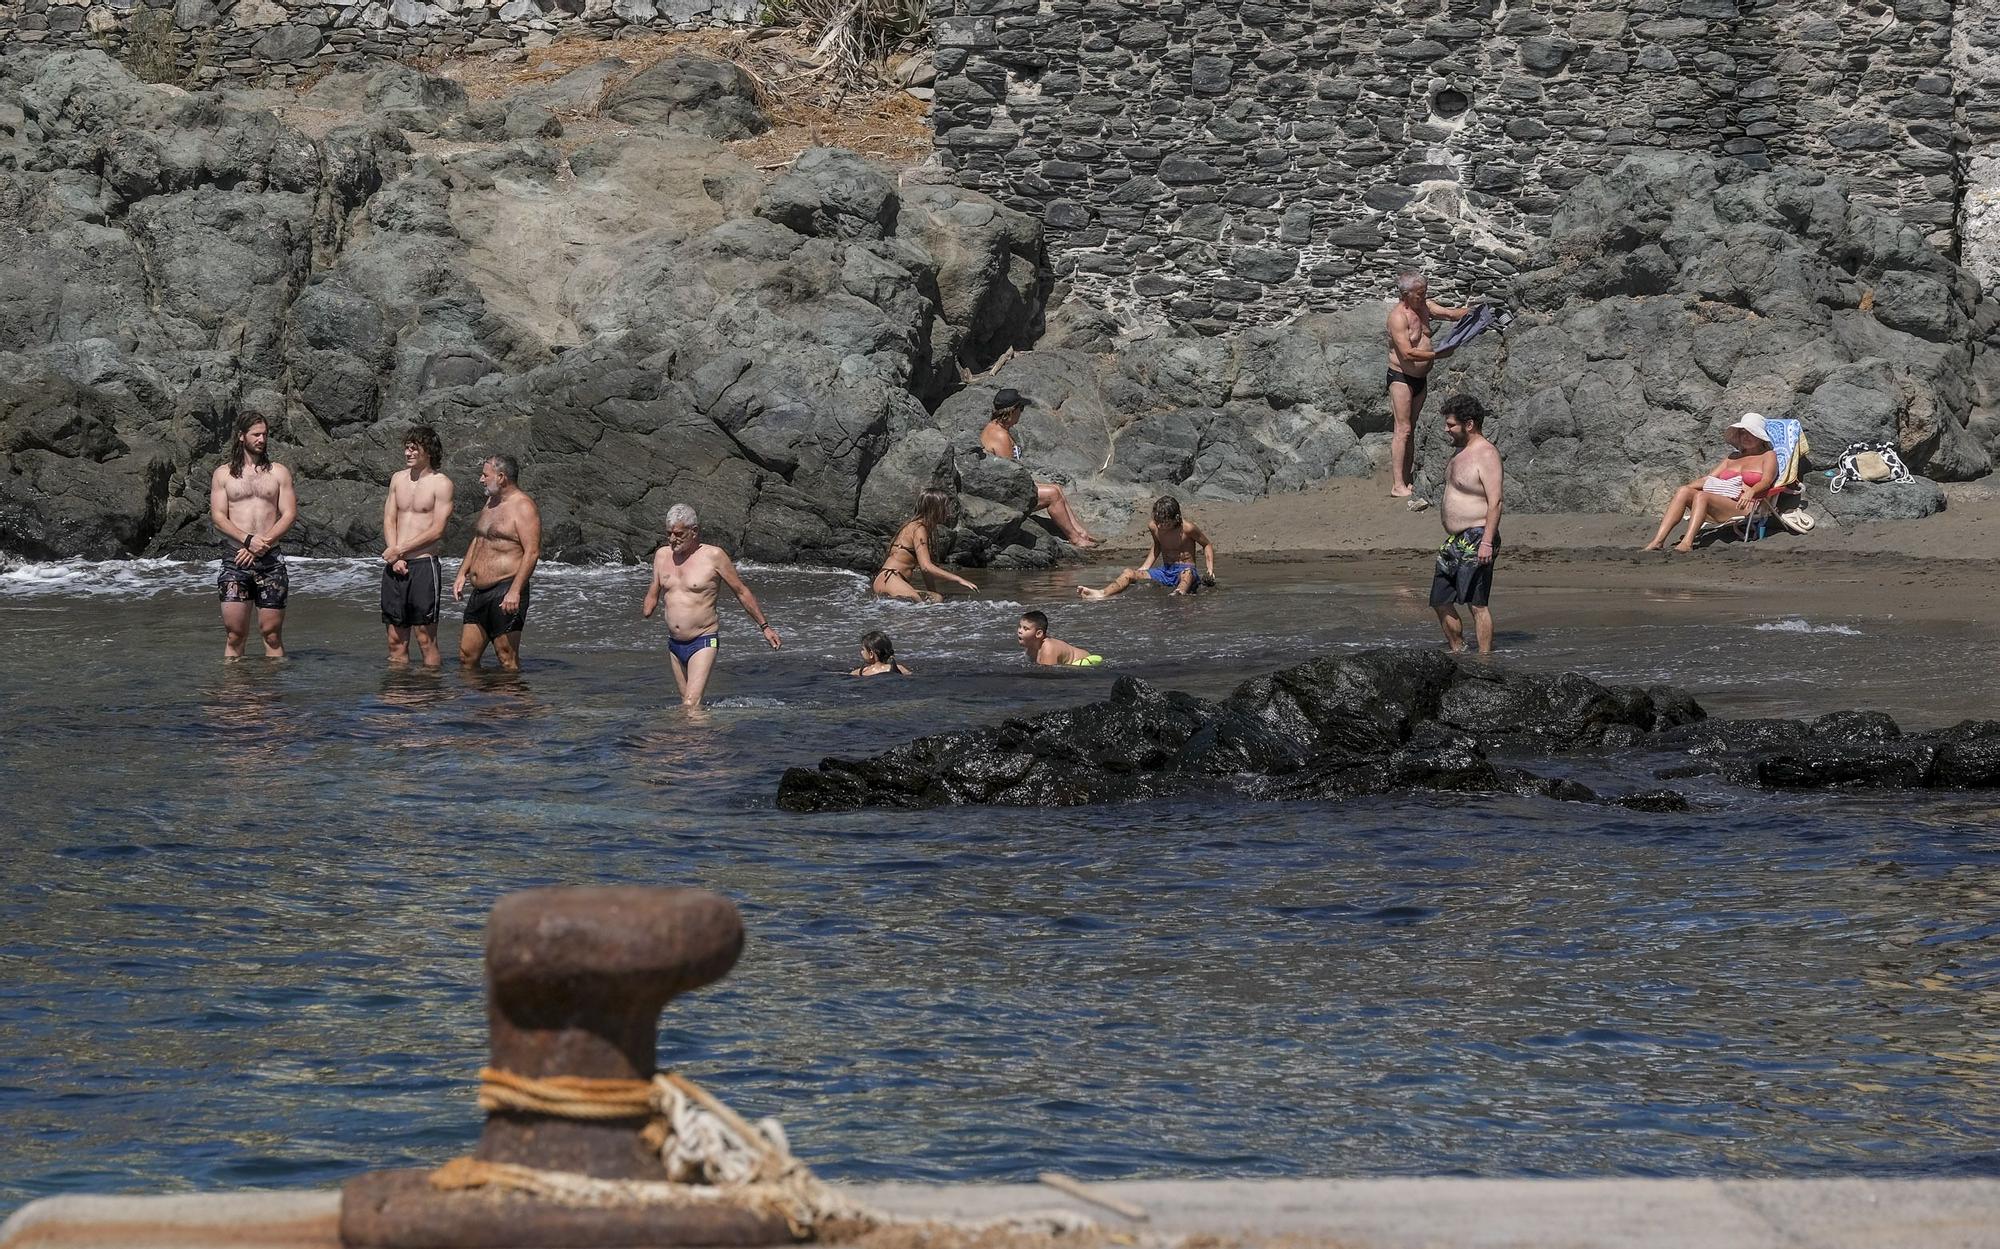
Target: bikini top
pixel 1751 477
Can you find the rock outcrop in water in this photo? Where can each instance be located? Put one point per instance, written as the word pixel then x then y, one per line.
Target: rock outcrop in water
pixel 1383 721
pixel 1375 722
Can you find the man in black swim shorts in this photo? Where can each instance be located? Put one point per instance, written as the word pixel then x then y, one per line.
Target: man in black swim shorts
pixel 414 517
pixel 506 545
pixel 251 504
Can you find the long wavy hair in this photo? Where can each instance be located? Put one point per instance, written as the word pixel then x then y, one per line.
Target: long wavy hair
pixel 238 452
pixel 934 507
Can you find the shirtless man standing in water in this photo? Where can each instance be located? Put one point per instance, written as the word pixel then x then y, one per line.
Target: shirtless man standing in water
pixel 414 516
pixel 506 544
pixel 1471 512
pixel 685 573
pixel 1410 360
pixel 251 504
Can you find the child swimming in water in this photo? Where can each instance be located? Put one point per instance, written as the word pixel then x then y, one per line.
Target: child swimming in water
pixel 878 657
pixel 1033 635
pixel 1175 543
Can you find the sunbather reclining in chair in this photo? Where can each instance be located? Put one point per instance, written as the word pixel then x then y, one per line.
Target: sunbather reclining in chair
pixel 1729 490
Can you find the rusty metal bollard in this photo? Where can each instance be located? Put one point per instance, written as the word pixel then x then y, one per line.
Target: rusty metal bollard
pixel 575 980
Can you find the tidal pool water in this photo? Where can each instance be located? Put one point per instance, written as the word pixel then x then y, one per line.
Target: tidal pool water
pixel 242 907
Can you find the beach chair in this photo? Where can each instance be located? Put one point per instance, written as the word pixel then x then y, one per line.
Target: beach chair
pixel 1788 439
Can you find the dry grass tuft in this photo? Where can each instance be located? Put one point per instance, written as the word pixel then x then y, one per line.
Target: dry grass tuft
pixel 809 105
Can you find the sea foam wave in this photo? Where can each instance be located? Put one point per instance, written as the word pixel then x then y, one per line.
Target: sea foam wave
pixel 153 578
pixel 1796 625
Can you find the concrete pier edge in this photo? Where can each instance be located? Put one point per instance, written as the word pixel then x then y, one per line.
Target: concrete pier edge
pixel 1351 1213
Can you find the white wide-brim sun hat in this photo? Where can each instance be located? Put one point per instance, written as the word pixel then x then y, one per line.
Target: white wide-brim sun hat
pixel 1754 424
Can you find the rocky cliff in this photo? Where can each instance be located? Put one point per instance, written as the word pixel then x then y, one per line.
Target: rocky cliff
pixel 1671 296
pixel 637 314
pixel 586 275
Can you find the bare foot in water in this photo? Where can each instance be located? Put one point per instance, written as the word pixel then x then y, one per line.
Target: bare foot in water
pixel 1086 542
pixel 1084 591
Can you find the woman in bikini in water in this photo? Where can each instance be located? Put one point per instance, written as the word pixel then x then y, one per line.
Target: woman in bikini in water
pixel 1750 461
pixel 910 551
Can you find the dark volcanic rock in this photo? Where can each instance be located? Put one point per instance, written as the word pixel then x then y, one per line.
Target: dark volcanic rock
pixel 1564 710
pixel 1653 800
pixel 1905 764
pixel 692 93
pixel 1379 722
pixel 1333 728
pixel 1675 293
pixel 1863 501
pixel 403 95
pixel 1678 292
pixel 1968 756
pixel 619 317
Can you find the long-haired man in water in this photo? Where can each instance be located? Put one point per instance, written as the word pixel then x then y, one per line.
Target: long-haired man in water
pixel 251 504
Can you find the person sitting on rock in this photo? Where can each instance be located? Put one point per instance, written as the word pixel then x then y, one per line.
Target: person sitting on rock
pixel 1729 490
pixel 878 657
pixel 1174 544
pixel 998 439
pixel 1033 635
pixel 910 551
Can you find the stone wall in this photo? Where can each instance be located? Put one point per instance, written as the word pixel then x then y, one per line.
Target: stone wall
pixel 196 42
pixel 1975 47
pixel 1218 162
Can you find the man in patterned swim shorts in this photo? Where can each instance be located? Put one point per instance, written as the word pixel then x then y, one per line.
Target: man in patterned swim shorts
pixel 1473 484
pixel 251 504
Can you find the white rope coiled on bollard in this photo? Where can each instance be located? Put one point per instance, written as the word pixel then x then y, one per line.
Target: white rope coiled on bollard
pixel 711 1155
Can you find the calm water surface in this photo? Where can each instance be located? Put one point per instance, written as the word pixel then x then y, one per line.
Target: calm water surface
pixel 242 907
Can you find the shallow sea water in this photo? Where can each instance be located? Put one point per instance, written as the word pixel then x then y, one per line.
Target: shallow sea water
pixel 242 907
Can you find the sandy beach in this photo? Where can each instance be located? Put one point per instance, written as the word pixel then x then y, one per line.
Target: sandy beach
pixel 1352 514
pixel 1941 568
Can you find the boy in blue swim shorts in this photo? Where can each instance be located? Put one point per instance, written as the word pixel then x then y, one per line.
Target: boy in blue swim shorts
pixel 1170 559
